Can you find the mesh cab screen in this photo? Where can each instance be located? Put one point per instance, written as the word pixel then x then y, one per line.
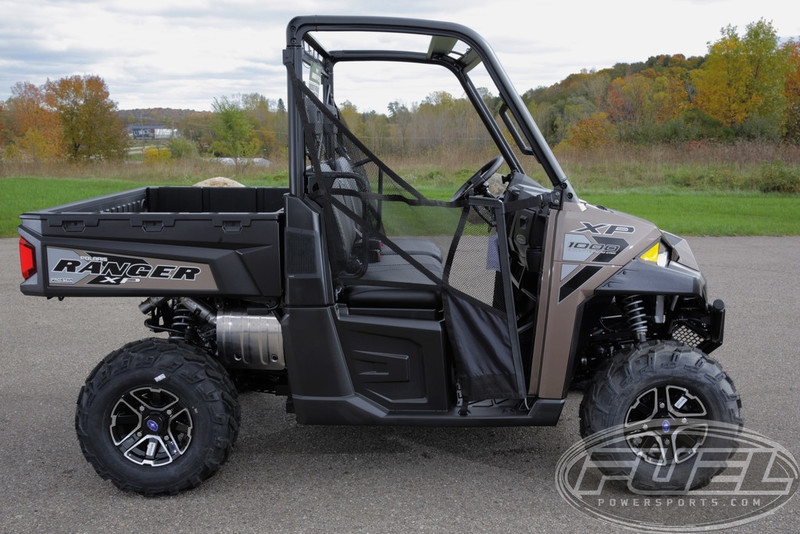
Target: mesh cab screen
pixel 382 232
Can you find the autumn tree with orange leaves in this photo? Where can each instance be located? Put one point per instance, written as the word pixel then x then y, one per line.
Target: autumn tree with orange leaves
pixel 34 129
pixel 91 126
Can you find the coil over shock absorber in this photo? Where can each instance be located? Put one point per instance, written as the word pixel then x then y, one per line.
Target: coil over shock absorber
pixel 633 310
pixel 178 317
pixel 181 320
pixel 186 314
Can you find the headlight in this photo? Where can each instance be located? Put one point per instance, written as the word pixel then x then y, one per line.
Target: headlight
pixel 658 253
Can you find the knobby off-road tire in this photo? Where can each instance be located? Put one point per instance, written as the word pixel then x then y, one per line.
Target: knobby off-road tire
pixel 661 398
pixel 157 416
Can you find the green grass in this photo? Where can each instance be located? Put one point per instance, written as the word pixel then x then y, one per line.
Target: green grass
pixel 29 194
pixel 681 211
pixel 714 214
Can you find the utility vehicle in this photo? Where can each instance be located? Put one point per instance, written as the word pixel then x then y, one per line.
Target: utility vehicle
pixel 366 303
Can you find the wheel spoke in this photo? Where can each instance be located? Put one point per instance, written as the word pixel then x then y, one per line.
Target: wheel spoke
pixel 681 403
pixel 657 450
pixel 141 431
pixel 687 439
pixel 666 424
pixel 127 444
pixel 644 409
pixel 125 421
pixel 648 445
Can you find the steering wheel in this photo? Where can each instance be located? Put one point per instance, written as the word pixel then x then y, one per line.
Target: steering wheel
pixel 479 178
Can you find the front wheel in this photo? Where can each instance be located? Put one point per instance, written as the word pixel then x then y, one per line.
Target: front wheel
pixel 157 417
pixel 662 407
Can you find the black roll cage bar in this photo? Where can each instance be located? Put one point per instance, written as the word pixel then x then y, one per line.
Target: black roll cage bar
pixel 444 36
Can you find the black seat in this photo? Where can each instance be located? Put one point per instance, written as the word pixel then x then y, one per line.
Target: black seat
pixel 390 267
pixel 394 269
pixel 348 248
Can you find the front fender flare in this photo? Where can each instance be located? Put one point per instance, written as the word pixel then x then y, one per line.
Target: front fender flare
pixel 642 277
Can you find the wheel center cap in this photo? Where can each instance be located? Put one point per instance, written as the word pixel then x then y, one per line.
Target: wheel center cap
pixel 665 426
pixel 152 425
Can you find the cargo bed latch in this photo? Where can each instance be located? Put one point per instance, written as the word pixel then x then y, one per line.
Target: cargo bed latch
pixel 73 226
pixel 231 227
pixel 152 226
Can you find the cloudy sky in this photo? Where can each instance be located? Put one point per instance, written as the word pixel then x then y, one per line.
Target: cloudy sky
pixel 184 53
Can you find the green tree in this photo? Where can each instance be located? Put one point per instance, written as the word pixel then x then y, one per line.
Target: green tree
pixel 350 115
pixel 196 127
pixel 234 132
pixel 573 110
pixel 743 77
pixel 91 126
pixel 259 111
pixel 400 121
pixel 182 148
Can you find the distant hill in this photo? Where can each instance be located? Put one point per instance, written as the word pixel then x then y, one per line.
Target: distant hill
pixel 157 116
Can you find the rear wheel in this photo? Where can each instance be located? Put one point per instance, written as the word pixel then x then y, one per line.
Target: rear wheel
pixel 157 417
pixel 662 407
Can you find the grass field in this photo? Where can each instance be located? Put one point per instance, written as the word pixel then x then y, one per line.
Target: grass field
pixel 681 211
pixel 706 189
pixel 713 214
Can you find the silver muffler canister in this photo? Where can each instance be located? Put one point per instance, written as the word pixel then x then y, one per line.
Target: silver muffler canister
pixel 248 341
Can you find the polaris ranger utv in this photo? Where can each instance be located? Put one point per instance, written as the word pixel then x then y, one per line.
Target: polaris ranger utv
pixel 366 303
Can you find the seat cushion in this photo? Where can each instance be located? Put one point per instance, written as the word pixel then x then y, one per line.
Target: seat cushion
pixel 414 246
pixel 395 269
pixel 391 297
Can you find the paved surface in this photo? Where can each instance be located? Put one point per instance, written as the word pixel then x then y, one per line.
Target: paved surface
pixel 289 478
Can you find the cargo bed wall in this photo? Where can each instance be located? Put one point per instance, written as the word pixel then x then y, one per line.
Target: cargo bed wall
pixel 160 241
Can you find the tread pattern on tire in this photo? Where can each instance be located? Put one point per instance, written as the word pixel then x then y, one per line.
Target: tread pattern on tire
pixel 599 409
pixel 192 365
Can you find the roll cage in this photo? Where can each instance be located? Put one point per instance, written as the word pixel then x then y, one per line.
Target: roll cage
pixel 303 49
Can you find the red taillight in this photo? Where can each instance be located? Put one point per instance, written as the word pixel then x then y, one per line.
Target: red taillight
pixel 27 258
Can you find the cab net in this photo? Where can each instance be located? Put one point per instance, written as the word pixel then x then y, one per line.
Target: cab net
pixel 386 240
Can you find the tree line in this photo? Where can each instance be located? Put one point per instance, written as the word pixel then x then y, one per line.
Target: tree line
pixel 746 87
pixel 74 119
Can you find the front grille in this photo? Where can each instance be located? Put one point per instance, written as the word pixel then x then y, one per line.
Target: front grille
pixel 684 334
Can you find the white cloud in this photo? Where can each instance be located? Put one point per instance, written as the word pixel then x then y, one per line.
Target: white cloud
pixel 183 53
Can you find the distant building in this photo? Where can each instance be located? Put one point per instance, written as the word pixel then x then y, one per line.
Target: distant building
pixel 144 133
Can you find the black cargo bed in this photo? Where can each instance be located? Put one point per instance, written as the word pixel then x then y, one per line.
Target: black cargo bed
pixel 232 234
